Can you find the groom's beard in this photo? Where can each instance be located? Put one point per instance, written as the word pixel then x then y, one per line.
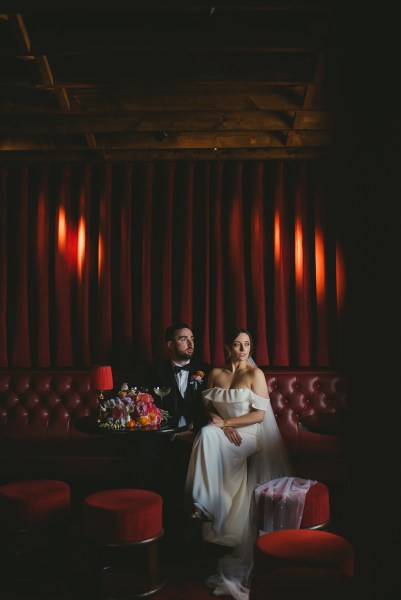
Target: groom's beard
pixel 185 355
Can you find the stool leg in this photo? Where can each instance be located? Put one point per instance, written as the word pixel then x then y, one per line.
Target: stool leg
pixel 95 571
pixel 153 565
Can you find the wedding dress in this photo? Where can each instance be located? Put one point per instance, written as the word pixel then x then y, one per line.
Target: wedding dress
pixel 222 477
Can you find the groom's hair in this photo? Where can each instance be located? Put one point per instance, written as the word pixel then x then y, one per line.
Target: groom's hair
pixel 170 332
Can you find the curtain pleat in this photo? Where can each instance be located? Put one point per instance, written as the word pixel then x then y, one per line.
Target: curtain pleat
pixel 257 288
pixel 303 292
pixel 166 233
pixel 41 282
pixel 21 353
pixel 4 256
pixel 282 245
pixel 148 304
pixel 202 266
pixel 84 267
pixel 107 257
pixel 218 271
pixel 124 327
pixel 104 324
pixel 321 281
pixel 236 306
pixel 185 233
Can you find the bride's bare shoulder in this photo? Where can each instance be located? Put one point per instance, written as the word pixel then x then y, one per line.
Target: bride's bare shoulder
pixel 217 371
pixel 218 376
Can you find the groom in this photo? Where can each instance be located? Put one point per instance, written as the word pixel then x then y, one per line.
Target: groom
pixel 186 377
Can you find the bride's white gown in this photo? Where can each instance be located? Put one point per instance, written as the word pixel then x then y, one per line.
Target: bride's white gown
pixel 222 477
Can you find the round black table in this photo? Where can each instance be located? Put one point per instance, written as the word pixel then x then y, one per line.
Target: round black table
pixel 90 424
pixel 145 449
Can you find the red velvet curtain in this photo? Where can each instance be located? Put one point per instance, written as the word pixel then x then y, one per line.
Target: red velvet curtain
pixel 96 261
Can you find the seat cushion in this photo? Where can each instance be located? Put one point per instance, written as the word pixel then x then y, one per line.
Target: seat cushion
pixel 317 506
pixel 33 503
pixel 303 548
pixel 272 500
pixel 122 515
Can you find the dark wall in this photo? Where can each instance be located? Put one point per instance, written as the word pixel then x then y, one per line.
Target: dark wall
pixel 368 169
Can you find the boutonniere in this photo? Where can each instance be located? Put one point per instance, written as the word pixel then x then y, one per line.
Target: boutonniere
pixel 197 378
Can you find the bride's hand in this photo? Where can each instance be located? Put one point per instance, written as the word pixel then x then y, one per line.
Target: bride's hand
pixel 216 420
pixel 232 435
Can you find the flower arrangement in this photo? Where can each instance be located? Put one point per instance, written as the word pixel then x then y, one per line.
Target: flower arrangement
pixel 197 379
pixel 131 409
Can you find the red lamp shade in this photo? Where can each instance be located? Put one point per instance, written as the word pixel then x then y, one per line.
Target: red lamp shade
pixel 102 378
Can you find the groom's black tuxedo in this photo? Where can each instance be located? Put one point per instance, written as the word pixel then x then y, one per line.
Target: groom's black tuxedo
pixel 190 405
pixel 166 463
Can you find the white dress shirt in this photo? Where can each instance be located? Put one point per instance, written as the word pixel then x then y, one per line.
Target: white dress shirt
pixel 182 382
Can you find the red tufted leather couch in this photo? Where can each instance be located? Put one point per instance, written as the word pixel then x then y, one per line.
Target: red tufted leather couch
pixel 38 409
pixel 299 393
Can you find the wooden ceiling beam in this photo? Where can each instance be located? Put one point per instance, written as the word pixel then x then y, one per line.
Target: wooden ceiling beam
pixel 170 121
pixel 183 140
pixel 118 156
pixel 188 6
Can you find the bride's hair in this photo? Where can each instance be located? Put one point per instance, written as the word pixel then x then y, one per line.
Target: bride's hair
pixel 231 335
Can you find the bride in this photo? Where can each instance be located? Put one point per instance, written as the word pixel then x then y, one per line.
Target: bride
pixel 240 447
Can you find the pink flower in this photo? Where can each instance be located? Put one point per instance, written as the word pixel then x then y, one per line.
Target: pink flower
pixel 145 407
pixel 118 412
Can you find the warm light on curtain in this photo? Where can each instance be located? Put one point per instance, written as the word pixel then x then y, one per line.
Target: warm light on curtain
pixel 299 256
pixel 81 246
pixel 120 251
pixel 100 253
pixel 303 256
pixel 62 231
pixel 319 266
pixel 277 239
pixel 323 325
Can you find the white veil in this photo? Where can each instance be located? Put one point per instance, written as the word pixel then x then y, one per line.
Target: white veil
pixel 234 570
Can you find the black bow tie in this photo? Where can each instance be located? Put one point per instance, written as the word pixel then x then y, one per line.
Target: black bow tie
pixel 177 369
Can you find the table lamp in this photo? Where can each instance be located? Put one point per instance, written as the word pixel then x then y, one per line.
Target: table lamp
pixel 101 380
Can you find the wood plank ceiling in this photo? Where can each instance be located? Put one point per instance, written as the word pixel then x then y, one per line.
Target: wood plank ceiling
pixel 124 80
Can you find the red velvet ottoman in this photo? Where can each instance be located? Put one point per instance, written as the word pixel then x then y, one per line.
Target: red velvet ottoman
pixel 33 503
pixel 34 521
pixel 316 509
pixel 124 519
pixel 303 548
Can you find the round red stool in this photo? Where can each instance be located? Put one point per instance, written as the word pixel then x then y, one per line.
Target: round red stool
pixel 124 519
pixel 303 548
pixel 316 510
pixel 34 514
pixel 33 503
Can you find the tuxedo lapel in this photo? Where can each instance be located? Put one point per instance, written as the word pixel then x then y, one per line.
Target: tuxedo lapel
pixel 174 402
